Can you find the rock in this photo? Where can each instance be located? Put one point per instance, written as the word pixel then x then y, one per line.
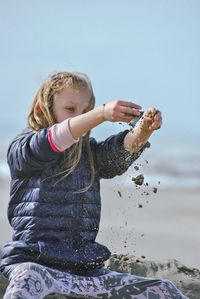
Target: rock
pixel 138 179
pixel 3 285
pixel 186 279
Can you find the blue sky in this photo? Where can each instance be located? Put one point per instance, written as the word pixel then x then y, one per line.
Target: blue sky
pixel 143 51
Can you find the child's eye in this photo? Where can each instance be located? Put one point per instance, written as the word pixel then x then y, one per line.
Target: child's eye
pixel 70 109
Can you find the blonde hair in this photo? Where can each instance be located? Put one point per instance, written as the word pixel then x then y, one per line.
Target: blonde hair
pixel 41 116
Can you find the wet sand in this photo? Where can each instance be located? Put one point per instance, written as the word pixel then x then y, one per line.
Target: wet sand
pixel 157 226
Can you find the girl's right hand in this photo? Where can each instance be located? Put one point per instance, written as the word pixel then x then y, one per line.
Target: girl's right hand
pixel 120 111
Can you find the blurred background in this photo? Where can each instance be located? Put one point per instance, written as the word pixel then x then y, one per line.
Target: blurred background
pixel 143 51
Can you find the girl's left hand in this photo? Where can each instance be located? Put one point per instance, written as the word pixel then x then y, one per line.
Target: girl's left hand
pixel 155 117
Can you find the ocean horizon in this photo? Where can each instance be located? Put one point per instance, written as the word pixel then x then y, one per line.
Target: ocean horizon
pixel 166 164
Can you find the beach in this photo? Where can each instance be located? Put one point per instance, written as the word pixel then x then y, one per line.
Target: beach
pixel 154 226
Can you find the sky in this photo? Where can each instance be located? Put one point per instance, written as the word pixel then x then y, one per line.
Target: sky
pixel 143 51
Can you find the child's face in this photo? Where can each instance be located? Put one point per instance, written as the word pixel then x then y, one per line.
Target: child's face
pixel 70 102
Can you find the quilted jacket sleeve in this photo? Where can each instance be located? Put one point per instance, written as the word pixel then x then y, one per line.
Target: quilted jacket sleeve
pixel 111 158
pixel 29 152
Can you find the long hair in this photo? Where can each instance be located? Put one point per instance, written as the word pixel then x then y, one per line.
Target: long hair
pixel 41 116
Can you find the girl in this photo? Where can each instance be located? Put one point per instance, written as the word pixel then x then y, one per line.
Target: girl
pixel 55 204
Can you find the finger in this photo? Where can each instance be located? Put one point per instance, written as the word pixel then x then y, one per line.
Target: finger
pixel 157 121
pixel 156 125
pixel 150 111
pixel 158 113
pixel 157 117
pixel 130 111
pixel 125 117
pixel 129 104
pixel 155 128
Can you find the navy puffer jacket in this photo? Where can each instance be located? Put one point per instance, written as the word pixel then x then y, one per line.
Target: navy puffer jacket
pixel 52 225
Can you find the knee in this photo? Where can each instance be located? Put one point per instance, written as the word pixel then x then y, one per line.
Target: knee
pixel 22 269
pixel 32 277
pixel 26 268
pixel 31 273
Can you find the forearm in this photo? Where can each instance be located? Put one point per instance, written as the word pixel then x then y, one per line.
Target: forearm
pixel 136 139
pixel 81 124
pixel 139 135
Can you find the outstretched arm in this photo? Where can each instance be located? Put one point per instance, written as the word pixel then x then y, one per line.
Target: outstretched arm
pixel 117 153
pixel 64 134
pixel 113 111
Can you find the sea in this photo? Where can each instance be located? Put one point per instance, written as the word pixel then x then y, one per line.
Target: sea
pixel 172 164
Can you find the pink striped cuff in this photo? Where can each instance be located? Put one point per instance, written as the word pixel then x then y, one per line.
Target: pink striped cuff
pixel 60 137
